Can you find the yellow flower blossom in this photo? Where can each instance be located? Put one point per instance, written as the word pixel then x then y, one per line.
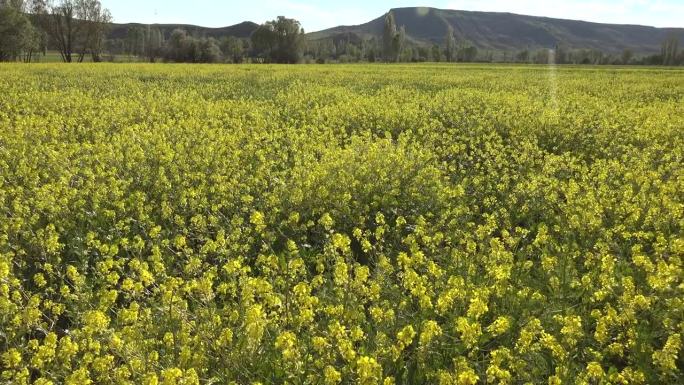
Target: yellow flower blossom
pixel 368 370
pixel 331 376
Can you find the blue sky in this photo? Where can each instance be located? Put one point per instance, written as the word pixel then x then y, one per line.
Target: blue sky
pixel 316 15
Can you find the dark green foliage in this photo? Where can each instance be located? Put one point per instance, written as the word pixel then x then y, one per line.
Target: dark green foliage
pixel 182 48
pixel 279 41
pixel 17 35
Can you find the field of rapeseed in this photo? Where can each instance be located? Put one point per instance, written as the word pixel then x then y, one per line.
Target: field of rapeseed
pixel 184 225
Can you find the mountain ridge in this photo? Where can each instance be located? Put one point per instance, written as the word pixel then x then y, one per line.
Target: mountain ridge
pixel 506 31
pixel 240 30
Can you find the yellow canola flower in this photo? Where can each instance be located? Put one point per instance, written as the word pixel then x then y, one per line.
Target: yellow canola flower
pixel 255 324
pixel 356 224
pixel 368 370
pixel 11 358
pixel 467 377
pixel 470 332
pixel 331 376
pixel 286 343
pixel 500 326
pixel 429 331
pixel 477 308
pixel 405 335
pixel 666 358
pixel 595 371
pixel 79 377
pixel 258 220
pixel 326 221
pixel 4 269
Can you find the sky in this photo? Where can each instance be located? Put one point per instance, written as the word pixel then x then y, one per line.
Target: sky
pixel 316 15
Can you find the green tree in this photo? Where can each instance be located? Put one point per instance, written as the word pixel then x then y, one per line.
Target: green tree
pixel 179 46
pixel 398 44
pixel 183 48
pixel 35 43
pixel 523 56
pixel 561 54
pixel 393 40
pixel 450 43
pixel 154 43
pixel 17 34
pixel 95 21
pixel 669 50
pixel 76 27
pixel 136 41
pixel 207 51
pixel 279 41
pixel 19 5
pixel 467 53
pixel 436 53
pixel 63 27
pixel 627 56
pixel 234 49
pixel 388 34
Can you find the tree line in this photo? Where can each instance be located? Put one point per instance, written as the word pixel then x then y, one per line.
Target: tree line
pixel 278 41
pixel 79 28
pixel 75 28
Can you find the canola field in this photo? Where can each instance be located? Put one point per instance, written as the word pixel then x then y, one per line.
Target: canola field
pixel 365 224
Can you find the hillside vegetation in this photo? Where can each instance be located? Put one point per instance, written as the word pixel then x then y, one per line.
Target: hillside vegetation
pixel 436 224
pixel 507 31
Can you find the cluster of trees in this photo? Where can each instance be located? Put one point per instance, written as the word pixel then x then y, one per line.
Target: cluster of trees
pixel 278 41
pixel 393 39
pixel 150 44
pixel 182 48
pixel 393 47
pixel 458 52
pixel 20 39
pixel 348 49
pixel 670 55
pixel 142 42
pixel 397 49
pixel 75 28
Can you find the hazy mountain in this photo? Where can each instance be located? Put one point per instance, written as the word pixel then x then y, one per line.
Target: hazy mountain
pixel 242 30
pixel 507 31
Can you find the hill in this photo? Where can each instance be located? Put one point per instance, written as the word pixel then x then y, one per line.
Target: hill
pixel 507 31
pixel 242 30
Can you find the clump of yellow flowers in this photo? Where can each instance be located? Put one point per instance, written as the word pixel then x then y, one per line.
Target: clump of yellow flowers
pixel 198 225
